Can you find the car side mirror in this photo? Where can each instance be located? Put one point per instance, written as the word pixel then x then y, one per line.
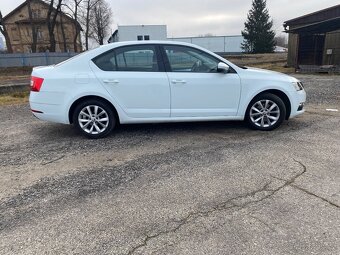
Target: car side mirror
pixel 223 67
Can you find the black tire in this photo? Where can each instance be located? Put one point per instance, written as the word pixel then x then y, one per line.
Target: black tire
pixel 102 122
pixel 263 118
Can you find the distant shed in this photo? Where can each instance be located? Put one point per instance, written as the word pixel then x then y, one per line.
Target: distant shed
pixel 314 39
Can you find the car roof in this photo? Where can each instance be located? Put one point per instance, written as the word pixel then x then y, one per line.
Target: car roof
pixel 125 43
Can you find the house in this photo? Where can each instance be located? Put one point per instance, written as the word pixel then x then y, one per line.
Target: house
pixel 314 39
pixel 139 33
pixel 19 28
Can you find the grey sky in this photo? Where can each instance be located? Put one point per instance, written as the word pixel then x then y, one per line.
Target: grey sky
pixel 195 17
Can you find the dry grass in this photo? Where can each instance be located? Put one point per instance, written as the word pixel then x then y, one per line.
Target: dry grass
pixel 15 73
pixel 272 61
pixel 14 98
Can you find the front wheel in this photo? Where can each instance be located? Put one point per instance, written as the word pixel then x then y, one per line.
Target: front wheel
pixel 94 119
pixel 266 112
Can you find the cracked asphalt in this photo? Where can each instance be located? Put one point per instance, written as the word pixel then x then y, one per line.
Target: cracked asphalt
pixel 186 188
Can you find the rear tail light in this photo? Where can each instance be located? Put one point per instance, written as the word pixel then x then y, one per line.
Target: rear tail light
pixel 36 83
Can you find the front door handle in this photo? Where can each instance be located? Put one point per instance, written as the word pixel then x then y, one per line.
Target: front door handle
pixel 179 81
pixel 111 81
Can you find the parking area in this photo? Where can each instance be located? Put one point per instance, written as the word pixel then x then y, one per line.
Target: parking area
pixel 186 188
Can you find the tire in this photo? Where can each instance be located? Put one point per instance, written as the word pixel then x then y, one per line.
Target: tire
pixel 266 112
pixel 94 119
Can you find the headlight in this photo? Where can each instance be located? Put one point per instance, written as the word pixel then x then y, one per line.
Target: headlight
pixel 298 85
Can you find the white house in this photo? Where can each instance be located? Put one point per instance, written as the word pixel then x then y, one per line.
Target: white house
pixel 139 33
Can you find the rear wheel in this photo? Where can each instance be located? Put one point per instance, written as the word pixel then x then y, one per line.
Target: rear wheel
pixel 94 119
pixel 266 112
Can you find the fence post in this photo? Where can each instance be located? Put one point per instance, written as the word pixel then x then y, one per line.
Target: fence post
pixel 46 58
pixel 23 59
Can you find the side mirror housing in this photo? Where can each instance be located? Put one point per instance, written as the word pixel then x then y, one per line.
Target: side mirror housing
pixel 223 67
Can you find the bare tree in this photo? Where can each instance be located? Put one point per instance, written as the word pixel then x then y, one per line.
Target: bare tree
pixel 281 41
pixel 63 33
pixel 52 14
pixel 75 7
pixel 3 31
pixel 86 18
pixel 100 21
pixel 33 28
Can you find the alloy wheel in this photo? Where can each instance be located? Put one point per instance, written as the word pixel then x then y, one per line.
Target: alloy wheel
pixel 93 119
pixel 265 113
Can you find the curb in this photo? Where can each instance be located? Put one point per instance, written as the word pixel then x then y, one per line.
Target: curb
pixel 13 88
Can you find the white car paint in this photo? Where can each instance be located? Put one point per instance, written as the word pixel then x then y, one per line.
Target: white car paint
pixel 140 97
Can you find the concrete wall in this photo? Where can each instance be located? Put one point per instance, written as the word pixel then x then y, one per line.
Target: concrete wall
pixel 130 33
pixel 33 59
pixel 219 44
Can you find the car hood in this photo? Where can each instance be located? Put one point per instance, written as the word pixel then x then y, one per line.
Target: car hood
pixel 267 74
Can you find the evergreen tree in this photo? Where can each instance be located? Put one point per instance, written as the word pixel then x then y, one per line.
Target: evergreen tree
pixel 258 33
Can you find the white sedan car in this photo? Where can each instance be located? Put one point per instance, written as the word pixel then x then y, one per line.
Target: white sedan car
pixel 160 81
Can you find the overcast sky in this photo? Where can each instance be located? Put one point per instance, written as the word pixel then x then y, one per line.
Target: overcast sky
pixel 199 17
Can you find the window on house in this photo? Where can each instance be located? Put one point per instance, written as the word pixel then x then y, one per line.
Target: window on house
pixel 39 34
pixel 140 38
pixel 146 37
pixel 15 34
pixel 36 14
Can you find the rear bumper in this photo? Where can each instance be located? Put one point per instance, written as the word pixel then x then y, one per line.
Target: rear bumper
pixel 47 111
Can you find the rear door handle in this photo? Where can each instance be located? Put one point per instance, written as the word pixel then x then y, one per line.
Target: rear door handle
pixel 111 81
pixel 179 81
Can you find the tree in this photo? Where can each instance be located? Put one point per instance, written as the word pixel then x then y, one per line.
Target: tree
pixel 100 21
pixel 3 31
pixel 33 28
pixel 258 34
pixel 85 19
pixel 52 14
pixel 281 41
pixel 75 7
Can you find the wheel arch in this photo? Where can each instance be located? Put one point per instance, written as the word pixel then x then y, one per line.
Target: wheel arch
pixel 282 95
pixel 84 98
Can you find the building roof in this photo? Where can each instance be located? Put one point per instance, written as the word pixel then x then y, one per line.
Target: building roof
pixel 318 16
pixel 43 3
pixel 317 27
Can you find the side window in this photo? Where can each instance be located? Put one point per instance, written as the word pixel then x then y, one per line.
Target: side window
pixel 140 58
pixel 186 59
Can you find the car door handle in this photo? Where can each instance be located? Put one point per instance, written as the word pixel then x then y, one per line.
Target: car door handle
pixel 111 81
pixel 179 81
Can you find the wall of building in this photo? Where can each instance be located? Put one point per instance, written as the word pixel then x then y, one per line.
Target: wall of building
pixel 332 49
pixel 219 44
pixel 293 45
pixel 131 33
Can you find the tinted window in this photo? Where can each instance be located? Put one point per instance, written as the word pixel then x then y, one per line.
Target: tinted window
pixel 186 59
pixel 129 59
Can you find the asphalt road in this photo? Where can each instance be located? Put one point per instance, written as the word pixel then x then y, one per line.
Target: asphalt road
pixel 194 188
